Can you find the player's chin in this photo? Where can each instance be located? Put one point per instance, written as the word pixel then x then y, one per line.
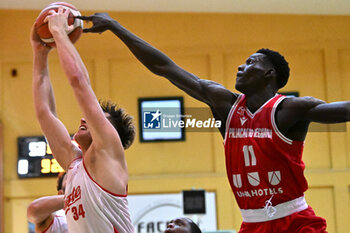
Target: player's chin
pixel 240 86
pixel 77 135
pixel 81 132
pixel 81 136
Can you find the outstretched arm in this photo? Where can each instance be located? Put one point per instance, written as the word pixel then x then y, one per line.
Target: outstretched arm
pixel 295 114
pixel 209 92
pixel 336 112
pixel 44 103
pixel 315 110
pixel 41 211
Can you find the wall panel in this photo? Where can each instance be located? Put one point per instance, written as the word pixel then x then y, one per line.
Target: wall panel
pixel 322 200
pixel 2 181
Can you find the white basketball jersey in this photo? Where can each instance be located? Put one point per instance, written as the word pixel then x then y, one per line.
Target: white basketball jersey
pixel 90 208
pixel 58 224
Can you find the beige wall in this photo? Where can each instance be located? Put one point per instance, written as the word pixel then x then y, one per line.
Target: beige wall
pixel 211 46
pixel 2 228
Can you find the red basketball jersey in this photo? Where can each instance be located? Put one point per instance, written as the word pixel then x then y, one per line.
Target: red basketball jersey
pixel 263 166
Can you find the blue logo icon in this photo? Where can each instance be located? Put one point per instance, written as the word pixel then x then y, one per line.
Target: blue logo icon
pixel 152 120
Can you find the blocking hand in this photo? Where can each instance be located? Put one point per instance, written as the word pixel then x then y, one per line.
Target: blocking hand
pixel 101 22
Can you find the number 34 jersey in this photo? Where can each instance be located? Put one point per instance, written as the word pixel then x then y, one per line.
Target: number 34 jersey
pixel 90 208
pixel 262 164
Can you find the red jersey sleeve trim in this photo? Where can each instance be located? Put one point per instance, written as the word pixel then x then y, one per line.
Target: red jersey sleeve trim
pixel 47 228
pixel 252 115
pixel 69 166
pixel 114 194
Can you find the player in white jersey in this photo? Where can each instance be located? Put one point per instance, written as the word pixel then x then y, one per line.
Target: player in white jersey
pixel 47 212
pixel 97 174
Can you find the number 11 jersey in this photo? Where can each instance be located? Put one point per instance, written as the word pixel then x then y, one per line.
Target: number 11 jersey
pixel 263 166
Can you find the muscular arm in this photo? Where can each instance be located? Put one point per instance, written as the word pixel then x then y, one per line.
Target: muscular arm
pixel 44 103
pixel 41 211
pixel 209 92
pixel 336 112
pixel 295 114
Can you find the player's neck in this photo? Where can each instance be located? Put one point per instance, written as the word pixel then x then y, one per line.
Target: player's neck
pixel 257 99
pixel 84 148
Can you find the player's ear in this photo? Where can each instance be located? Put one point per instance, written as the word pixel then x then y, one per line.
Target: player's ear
pixel 60 192
pixel 270 73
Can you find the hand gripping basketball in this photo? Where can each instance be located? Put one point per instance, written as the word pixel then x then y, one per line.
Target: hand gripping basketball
pixel 42 28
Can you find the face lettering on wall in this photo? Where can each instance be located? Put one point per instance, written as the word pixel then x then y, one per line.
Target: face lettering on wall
pixel 152 226
pixel 35 158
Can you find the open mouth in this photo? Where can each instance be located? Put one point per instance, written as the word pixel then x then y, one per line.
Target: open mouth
pixel 82 127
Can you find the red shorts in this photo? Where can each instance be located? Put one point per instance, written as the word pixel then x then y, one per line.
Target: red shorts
pixel 301 222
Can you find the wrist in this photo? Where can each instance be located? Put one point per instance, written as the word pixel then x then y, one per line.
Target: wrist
pixel 59 36
pixel 57 31
pixel 41 53
pixel 114 25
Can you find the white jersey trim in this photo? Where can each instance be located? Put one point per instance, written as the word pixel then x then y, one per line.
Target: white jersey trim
pixel 273 121
pixel 252 115
pixel 229 116
pixel 279 211
pixel 105 190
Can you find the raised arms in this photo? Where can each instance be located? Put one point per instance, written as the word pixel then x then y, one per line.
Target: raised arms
pixel 104 155
pixel 44 103
pixel 78 77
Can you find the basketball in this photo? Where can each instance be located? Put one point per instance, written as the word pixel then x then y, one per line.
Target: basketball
pixel 42 28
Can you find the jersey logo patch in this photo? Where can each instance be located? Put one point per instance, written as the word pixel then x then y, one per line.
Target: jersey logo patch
pixel 274 177
pixel 243 120
pixel 241 111
pixel 253 178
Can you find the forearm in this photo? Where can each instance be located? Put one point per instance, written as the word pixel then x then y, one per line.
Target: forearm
pixel 70 59
pixel 336 112
pixel 44 100
pixel 40 209
pixel 151 57
pixel 158 62
pixel 44 104
pixel 347 110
